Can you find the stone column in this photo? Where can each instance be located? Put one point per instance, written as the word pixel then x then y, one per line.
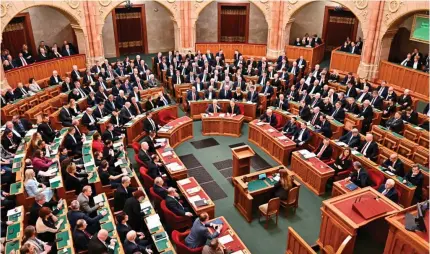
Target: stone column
pixel 275 40
pixel 3 80
pixel 95 42
pixel 186 28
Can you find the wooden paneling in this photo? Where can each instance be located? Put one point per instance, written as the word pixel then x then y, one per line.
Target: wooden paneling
pixel 344 62
pixel 403 77
pixel 296 244
pixel 312 55
pixel 44 69
pixel 229 48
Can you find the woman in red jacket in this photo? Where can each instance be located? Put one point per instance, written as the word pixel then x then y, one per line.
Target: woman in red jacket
pixel 97 143
pixel 40 163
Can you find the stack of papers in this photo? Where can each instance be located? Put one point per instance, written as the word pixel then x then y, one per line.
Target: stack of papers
pixel 98 199
pixel 222 115
pixel 160 140
pixel 174 166
pixel 169 153
pixel 145 205
pixel 271 130
pixel 340 143
pixel 303 152
pixel 153 221
pixel 90 163
pixel 309 155
pixel 54 180
pixel 260 123
pixel 14 211
pixel 225 239
pixel 191 191
pixel 183 181
pixel 117 144
pixel 282 137
pixel 354 152
pixel 162 129
pixel 194 199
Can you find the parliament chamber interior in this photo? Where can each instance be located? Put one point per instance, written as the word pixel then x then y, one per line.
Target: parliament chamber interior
pixel 214 127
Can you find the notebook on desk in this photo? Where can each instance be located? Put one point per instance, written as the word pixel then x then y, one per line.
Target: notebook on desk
pixel 351 186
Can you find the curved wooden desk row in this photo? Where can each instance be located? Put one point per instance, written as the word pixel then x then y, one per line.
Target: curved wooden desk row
pixel 43 70
pixel 344 62
pixel 19 107
pixel 197 108
pixel 177 131
pixel 246 49
pixel 221 124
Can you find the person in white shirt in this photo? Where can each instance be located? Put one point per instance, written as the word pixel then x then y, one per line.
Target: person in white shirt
pixel 34 87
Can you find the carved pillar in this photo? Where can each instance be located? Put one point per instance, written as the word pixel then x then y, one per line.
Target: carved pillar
pixel 3 80
pixel 95 43
pixel 275 45
pixel 186 27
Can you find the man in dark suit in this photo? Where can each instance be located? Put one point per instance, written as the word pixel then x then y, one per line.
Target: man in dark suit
pixel 210 93
pixel 354 49
pixel 192 95
pixel 304 111
pixel 410 116
pixel 55 79
pixel 395 123
pixel 72 144
pixel 394 165
pixel 269 118
pixel 389 191
pixel 46 131
pixel 324 126
pixel 152 144
pixel 125 115
pixel 109 104
pixel 316 101
pixel 351 90
pixel 301 136
pixel 173 204
pixel 159 188
pixel 40 201
pixel 123 192
pixel 351 106
pixel 292 93
pixel 376 101
pixel 369 148
pixel 81 237
pixel 76 74
pixel 382 89
pixel 213 107
pixel 133 245
pixel 366 114
pixel 281 102
pixel 89 121
pixel 252 95
pixel 338 113
pixel 405 100
pixel 89 78
pixel 65 116
pixel 364 95
pixel 67 51
pixel 267 90
pixel 290 128
pixel 391 95
pixel 149 124
pixel 109 133
pixel 67 85
pixel 43 55
pixel 101 243
pixel 225 93
pixel 233 109
pixel 163 100
pixel 120 100
pixel 359 176
pixel 351 139
pixel 21 91
pixel 239 83
pixel 135 107
pixel 324 150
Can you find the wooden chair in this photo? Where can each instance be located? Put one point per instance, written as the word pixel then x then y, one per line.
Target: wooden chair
pixel 293 198
pixel 270 209
pixel 406 148
pixel 423 141
pixel 330 250
pixel 390 142
pixel 410 135
pixel 421 156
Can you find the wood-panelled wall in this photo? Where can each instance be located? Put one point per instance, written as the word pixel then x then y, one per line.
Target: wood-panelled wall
pixel 229 48
pixel 312 55
pixel 44 69
pixel 296 244
pixel 403 77
pixel 344 62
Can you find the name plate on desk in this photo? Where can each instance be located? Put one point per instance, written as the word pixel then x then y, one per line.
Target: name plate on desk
pixel 369 208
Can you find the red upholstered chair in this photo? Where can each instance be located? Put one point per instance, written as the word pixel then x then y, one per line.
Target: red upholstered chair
pixel 242 108
pixel 175 222
pixel 165 116
pixel 377 178
pixel 148 182
pixel 279 125
pixel 136 158
pixel 343 174
pixel 157 199
pixel 179 240
pixel 136 147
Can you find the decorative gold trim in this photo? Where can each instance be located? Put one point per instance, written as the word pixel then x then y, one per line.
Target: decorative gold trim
pixel 14 27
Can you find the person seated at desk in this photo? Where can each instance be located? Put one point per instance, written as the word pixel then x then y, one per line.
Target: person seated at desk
pixel 72 143
pixel 281 102
pixel 233 109
pixel 284 185
pixel 101 243
pixel 267 90
pixel 31 243
pixel 46 227
pixel 324 126
pixel 173 204
pixel 302 135
pixel 324 151
pixel 109 176
pixel 351 139
pixel 210 93
pixel 367 115
pixel 315 118
pixel 237 95
pixel 369 148
pixel 159 188
pixel 389 191
pixel 131 244
pixel 225 93
pixel 410 116
pixel 75 214
pixel 338 113
pixel 343 162
pixel 290 128
pixel 123 192
pixel 415 177
pixel 395 123
pixel 214 247
pixel 89 121
pixel 85 201
pixel 125 115
pixel 387 112
pixel 213 108
pixel 8 143
pixel 269 118
pixel 326 106
pixel 133 210
pixel 394 165
pixel 359 175
pixel 33 187
pixel 405 100
pixel 252 95
pixel 39 202
pixel 351 106
pixel 199 233
pixel 81 237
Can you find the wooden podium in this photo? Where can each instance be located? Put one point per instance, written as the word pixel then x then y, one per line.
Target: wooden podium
pixel 242 160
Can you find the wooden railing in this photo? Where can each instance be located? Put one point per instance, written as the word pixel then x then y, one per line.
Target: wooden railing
pixel 402 77
pixel 313 55
pixel 246 49
pixel 344 62
pixel 43 70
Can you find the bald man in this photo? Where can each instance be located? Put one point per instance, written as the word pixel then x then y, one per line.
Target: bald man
pixel 101 243
pixel 269 118
pixel 89 120
pixel 389 191
pixel 131 246
pixel 394 165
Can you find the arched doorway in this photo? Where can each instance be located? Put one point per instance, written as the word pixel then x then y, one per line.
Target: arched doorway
pixel 208 27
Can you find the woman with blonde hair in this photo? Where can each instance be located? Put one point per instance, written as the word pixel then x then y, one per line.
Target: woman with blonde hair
pixel 33 187
pixel 283 186
pixel 35 140
pixel 74 107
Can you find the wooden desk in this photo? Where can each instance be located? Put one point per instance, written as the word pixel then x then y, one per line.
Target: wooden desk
pixel 229 48
pixel 221 124
pixel 134 128
pixel 340 220
pixel 236 244
pixel 168 157
pixel 249 191
pixel 191 185
pixel 344 62
pixel 181 130
pixel 267 138
pixel 401 240
pixel 313 55
pixel 199 107
pixel 340 189
pixel 312 172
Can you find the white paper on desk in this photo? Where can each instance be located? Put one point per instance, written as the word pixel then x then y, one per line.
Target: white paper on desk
pixel 17 156
pixel 303 152
pixel 162 129
pixel 55 179
pixel 390 173
pixel 171 165
pixel 168 153
pixel 145 205
pixel 354 152
pixel 238 252
pixel 225 239
pixel 271 130
pixel 282 138
pixel 98 199
pixel 260 123
pixel 194 199
pixel 52 171
pixel 249 102
pixel 340 143
pixel 176 167
pixel 183 181
pixel 90 163
pixel 30 132
pixel 153 221
pixel 117 144
pixel 222 115
pixel 160 140
pixel 418 128
pixel 309 155
pixel 14 211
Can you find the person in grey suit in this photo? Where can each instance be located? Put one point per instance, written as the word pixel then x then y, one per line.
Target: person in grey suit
pixel 84 200
pixel 199 233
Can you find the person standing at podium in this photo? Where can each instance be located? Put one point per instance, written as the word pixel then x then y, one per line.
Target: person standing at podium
pixel 389 191
pixel 359 176
pixel 213 108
